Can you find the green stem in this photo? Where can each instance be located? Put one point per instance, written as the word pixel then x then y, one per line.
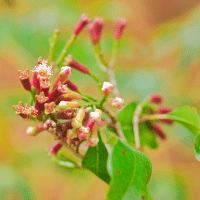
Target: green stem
pixel 114 53
pixel 87 96
pixel 102 101
pixel 66 49
pixel 100 56
pixel 53 44
pixel 93 75
pixel 136 120
pixel 33 92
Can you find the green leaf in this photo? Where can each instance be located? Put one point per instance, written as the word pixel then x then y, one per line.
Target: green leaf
pixel 95 160
pixel 147 136
pixel 63 161
pixel 130 172
pixel 188 117
pixel 197 147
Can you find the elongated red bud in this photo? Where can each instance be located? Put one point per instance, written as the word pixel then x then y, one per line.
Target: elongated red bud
pixel 157 129
pixel 64 74
pixel 57 92
pixel 95 30
pixel 34 130
pixel 71 85
pixel 40 101
pixel 53 150
pixel 81 24
pixel 36 82
pixel 121 24
pixel 76 65
pixel 24 78
pixel 45 85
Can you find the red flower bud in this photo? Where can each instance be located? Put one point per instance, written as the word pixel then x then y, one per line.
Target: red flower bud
pixel 164 110
pixel 95 30
pixel 71 85
pixel 24 78
pixel 76 65
pixel 156 98
pixel 40 101
pixel 53 150
pixel 49 108
pixel 57 92
pixel 34 130
pixel 121 24
pixel 157 129
pixel 81 24
pixel 45 85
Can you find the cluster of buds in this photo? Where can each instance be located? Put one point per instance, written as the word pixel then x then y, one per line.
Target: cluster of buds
pixel 158 99
pixel 56 105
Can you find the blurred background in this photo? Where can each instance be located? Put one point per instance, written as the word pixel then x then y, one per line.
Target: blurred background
pixel 159 53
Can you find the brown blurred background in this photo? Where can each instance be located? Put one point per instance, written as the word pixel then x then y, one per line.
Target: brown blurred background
pixel 159 53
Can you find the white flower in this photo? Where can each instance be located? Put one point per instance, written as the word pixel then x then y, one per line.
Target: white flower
pixel 43 69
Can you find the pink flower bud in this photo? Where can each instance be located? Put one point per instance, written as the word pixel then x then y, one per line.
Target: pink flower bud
pixel 167 121
pixel 40 101
pixel 63 75
pixel 117 102
pixel 81 24
pixel 45 85
pixel 157 129
pixel 107 88
pixel 71 85
pixel 49 108
pixel 57 92
pixel 34 130
pixel 77 121
pixel 121 24
pixel 53 150
pixel 95 30
pixel 156 98
pixel 93 141
pixel 24 78
pixel 76 65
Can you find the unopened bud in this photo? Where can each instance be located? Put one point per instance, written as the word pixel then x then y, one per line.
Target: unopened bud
pixel 164 110
pixel 34 130
pixel 76 65
pixel 107 88
pixel 157 129
pixel 72 95
pixel 77 121
pixel 117 102
pixel 24 78
pixel 121 24
pixel 156 98
pixel 81 24
pixel 71 85
pixel 63 75
pixel 53 150
pixel 63 105
pixel 95 30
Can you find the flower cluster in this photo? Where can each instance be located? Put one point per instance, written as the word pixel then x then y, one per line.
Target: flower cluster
pixel 55 107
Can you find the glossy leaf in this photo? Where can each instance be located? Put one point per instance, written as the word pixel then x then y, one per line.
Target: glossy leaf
pixel 130 172
pixel 197 147
pixel 147 137
pixel 95 160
